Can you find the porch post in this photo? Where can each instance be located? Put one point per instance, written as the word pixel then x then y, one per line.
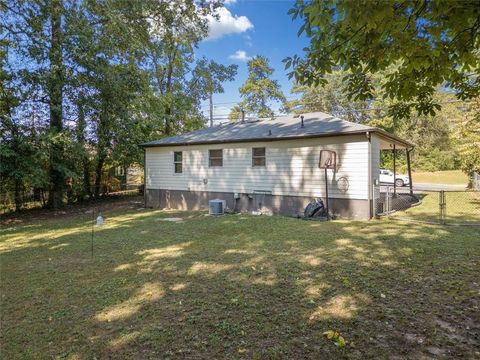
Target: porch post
pixel 410 185
pixel 394 171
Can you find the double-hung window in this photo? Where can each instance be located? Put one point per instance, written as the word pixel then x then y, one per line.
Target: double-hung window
pixel 215 158
pixel 258 157
pixel 178 162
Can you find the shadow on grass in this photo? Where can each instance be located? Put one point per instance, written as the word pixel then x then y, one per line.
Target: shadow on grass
pixel 237 287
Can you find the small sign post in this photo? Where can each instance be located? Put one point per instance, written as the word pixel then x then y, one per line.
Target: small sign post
pixel 328 160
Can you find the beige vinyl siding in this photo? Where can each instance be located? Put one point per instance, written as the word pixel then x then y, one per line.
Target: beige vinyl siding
pixel 291 168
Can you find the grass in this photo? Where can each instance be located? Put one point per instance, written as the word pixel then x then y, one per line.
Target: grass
pixel 236 287
pixel 451 177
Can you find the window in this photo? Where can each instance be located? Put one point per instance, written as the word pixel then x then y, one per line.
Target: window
pixel 177 162
pixel 258 157
pixel 215 157
pixel 119 171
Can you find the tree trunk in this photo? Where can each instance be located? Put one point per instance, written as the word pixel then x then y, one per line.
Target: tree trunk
pixel 86 178
pixel 55 92
pixel 168 89
pixel 81 141
pixel 98 174
pixel 210 101
pixel 168 113
pixel 18 197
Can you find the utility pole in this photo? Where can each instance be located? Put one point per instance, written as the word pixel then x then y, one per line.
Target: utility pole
pixel 211 109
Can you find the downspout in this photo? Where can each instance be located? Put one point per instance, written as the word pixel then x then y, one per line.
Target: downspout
pixel 370 185
pixel 144 178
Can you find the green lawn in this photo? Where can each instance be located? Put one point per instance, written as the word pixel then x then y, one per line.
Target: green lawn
pixel 236 286
pixel 453 177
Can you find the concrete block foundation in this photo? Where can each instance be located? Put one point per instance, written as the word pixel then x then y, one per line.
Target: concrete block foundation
pixel 275 204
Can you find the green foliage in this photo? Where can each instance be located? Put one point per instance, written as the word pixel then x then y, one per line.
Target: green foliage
pixel 209 76
pixel 235 113
pixel 335 336
pixel 86 82
pixel 429 43
pixel 23 159
pixel 433 136
pixel 259 90
pixel 331 99
pixel 468 140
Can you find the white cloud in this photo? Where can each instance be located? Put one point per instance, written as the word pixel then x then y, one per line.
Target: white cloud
pixel 227 24
pixel 248 40
pixel 240 55
pixel 230 2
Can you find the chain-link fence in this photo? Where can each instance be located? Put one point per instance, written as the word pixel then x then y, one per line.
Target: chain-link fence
pixel 428 206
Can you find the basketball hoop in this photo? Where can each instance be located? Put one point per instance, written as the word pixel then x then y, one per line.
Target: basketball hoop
pixel 328 160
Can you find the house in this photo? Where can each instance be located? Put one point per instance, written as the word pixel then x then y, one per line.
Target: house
pixel 124 178
pixel 269 165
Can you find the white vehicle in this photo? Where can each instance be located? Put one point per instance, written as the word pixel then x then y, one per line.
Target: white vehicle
pixel 386 177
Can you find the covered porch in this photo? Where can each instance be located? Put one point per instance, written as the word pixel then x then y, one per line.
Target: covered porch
pixel 389 196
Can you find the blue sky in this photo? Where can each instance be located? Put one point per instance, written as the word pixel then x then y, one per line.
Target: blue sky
pixel 249 28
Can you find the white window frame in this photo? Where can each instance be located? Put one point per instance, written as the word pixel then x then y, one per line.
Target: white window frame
pixel 210 158
pixel 175 162
pixel 264 157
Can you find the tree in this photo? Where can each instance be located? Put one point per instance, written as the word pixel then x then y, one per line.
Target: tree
pixel 208 79
pixel 259 90
pixel 434 137
pixel 55 84
pixel 235 113
pixel 425 44
pixel 112 85
pixel 468 140
pixel 331 99
pixel 175 29
pixel 36 35
pixel 85 82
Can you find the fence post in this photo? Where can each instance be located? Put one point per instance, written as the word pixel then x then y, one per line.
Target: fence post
pixel 387 198
pixel 444 207
pixel 442 204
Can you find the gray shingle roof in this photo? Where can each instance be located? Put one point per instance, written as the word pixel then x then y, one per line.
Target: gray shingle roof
pixel 284 127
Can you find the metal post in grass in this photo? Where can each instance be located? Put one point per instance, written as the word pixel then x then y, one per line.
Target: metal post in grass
pixel 444 207
pixel 440 207
pixel 410 183
pixel 441 200
pixel 387 199
pixel 394 171
pixel 328 160
pixel 97 221
pixel 93 230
